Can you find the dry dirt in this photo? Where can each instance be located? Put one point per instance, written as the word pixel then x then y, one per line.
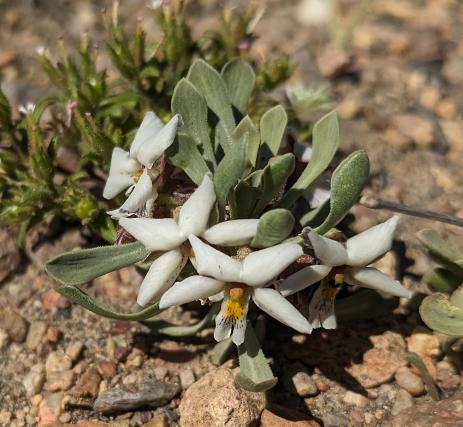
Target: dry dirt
pixel 399 88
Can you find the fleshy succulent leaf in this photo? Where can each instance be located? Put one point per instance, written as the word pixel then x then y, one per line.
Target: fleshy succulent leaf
pixel 255 373
pixel 443 280
pixel 165 328
pixel 347 183
pixel 441 250
pixel 78 296
pixel 246 127
pixel 82 265
pixel 184 154
pixel 230 170
pixel 239 78
pixel 273 180
pixel 324 146
pixel 274 226
pixel 440 315
pixel 192 107
pixel 272 128
pixel 211 86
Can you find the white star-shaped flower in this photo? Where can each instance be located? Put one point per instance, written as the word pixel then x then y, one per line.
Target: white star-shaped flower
pixel 239 281
pixel 347 264
pixel 135 170
pixel 170 236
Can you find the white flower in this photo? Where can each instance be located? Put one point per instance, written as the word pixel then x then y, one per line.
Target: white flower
pixel 302 151
pixel 344 264
pixel 28 108
pixel 239 281
pixel 319 192
pixel 166 234
pixel 134 169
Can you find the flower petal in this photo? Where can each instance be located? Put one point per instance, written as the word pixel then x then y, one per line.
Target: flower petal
pixel 156 234
pixel 232 317
pixel 232 233
pixel 369 277
pixel 262 266
pixel 149 128
pixel 270 301
pixel 194 214
pixel 161 274
pixel 191 289
pixel 319 192
pixel 321 308
pixel 303 152
pixel 328 251
pixel 302 279
pixel 157 142
pixel 213 263
pixel 222 329
pixel 373 243
pixel 121 173
pixel 141 194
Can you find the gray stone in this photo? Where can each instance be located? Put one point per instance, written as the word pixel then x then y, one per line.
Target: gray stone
pixel 153 394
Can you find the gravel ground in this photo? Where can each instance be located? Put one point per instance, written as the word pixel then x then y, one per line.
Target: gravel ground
pixel 399 88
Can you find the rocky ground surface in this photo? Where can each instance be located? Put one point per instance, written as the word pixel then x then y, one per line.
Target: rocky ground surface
pixel 399 87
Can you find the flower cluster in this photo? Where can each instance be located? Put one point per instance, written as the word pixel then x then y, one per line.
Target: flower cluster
pixel 239 274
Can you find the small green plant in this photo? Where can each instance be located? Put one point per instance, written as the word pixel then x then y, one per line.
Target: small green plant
pixel 213 203
pixel 443 310
pixel 93 112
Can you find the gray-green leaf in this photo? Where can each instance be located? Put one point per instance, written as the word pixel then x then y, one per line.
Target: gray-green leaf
pixel 184 154
pixel 78 296
pixel 192 106
pixel 255 373
pixel 442 250
pixel 165 328
pixel 443 280
pixel 274 226
pixel 246 127
pixel 230 170
pixel 272 128
pixel 239 78
pixel 347 183
pixel 81 266
pixel 439 315
pixel 273 180
pixel 211 86
pixel 324 145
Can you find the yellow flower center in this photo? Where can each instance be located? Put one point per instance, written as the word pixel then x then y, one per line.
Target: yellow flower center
pixel 332 284
pixel 236 302
pixel 138 174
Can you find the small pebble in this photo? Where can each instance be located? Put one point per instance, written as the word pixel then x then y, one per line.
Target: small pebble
pixel 34 379
pixel 409 381
pixel 37 331
pixel 3 338
pixel 52 334
pixel 403 401
pixel 62 380
pixel 74 349
pixel 107 369
pixel 57 361
pixel 187 378
pixel 356 399
pixel 304 384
